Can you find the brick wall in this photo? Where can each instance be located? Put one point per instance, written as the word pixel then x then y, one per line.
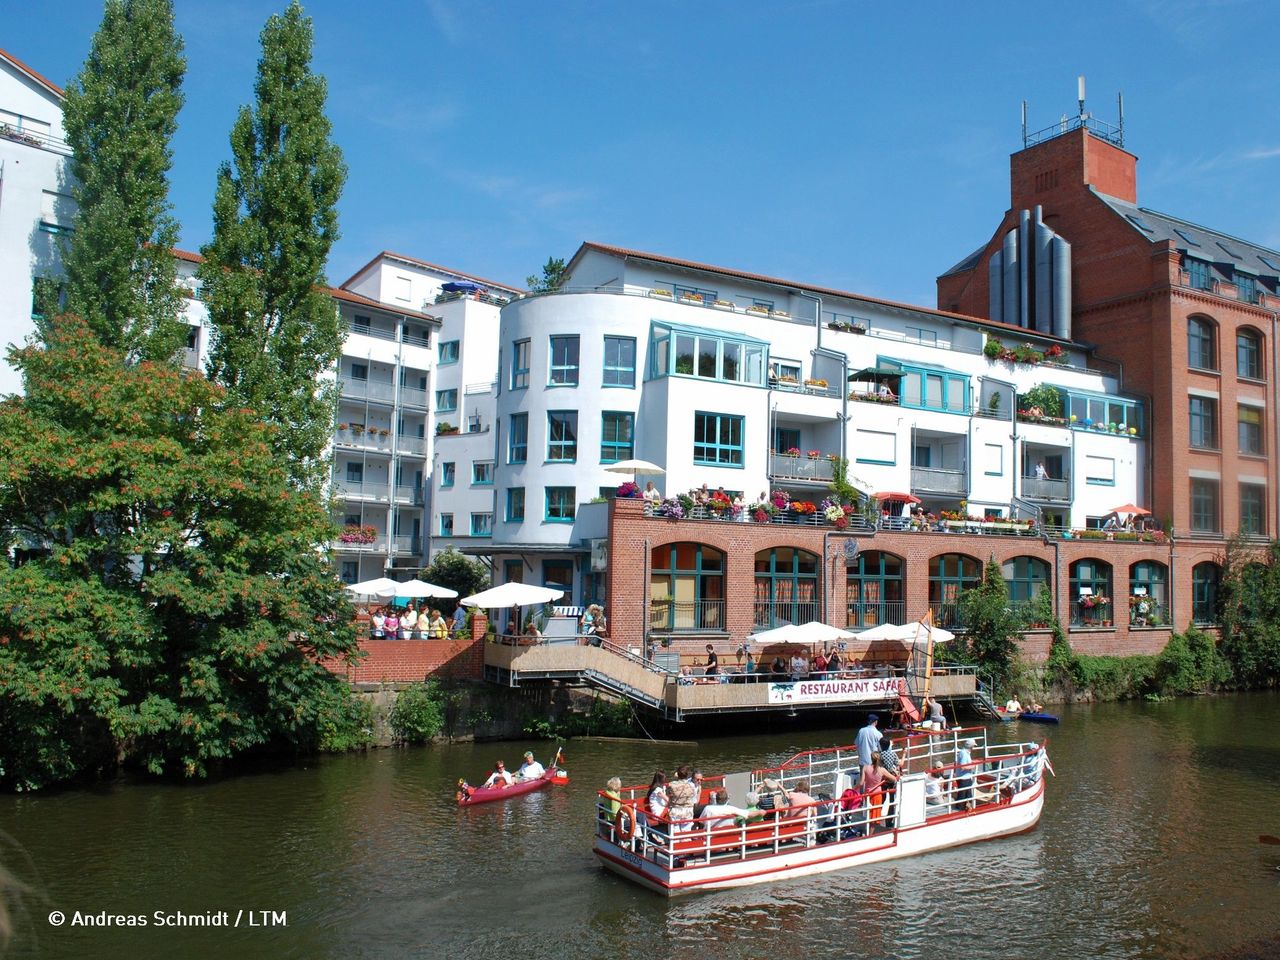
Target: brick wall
pixel 408 661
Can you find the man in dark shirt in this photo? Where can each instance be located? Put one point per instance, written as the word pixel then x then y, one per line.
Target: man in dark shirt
pixel 713 662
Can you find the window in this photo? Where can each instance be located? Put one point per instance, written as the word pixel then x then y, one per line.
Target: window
pixel 1204 506
pixel 788 371
pixel 447 473
pixel 446 400
pixel 920 335
pixel 1249 355
pixel 1253 510
pixel 360 324
pixel 1025 578
pixel 1148 594
pixel 786 587
pixel 359 371
pixel 482 524
pixel 696 294
pixel 1100 471
pixel 564 361
pixel 562 435
pixel 520 365
pixel 1246 288
pixel 619 361
pixel 562 504
pixel 949 576
pixel 193 337
pixel 1204 422
pixel 709 354
pixel 518 439
pixel 1198 274
pixel 931 389
pixel 686 588
pixel 617 436
pixel 350 571
pixel 482 473
pixel 874 590
pixel 1205 579
pixel 513 571
pixel 1095 411
pixel 717 439
pixel 1090 584
pixel 404 289
pixel 515 504
pixel 448 352
pixel 558 573
pixel 355 473
pixel 1200 347
pixel 1250 431
pixel 446 524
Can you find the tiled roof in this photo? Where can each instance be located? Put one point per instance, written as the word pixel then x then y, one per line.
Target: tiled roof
pixel 805 287
pixel 49 85
pixel 432 266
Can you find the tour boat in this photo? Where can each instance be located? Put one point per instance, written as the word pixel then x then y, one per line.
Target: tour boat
pixel 1002 795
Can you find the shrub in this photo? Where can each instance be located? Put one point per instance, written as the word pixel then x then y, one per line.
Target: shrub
pixel 418 713
pixel 345 723
pixel 1190 663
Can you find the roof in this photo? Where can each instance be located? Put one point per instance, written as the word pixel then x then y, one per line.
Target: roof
pixel 968 263
pixel 336 292
pixel 806 287
pixel 414 261
pixel 22 68
pixel 1195 240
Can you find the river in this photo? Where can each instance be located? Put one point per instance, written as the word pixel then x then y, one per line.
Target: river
pixel 1148 848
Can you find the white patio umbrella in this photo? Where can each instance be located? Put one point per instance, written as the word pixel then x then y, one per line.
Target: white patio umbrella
pixel 815 631
pixel 512 595
pixel 418 589
pixel 378 587
pixel 787 633
pixel 883 631
pixel 634 467
pixel 918 632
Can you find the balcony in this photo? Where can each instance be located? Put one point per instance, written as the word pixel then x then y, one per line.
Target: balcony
pixel 377 545
pixel 358 490
pixel 34 137
pixel 1096 616
pixel 866 615
pixel 407 494
pixel 368 330
pixel 777 613
pixel 363 439
pixel 413 397
pixel 687 616
pixel 1037 488
pixel 374 390
pixel 412 445
pixel 783 467
pixel 1148 612
pixel 815 388
pixel 406 546
pixel 947 615
pixel 936 480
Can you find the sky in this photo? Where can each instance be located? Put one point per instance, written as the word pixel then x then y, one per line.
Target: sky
pixel 860 146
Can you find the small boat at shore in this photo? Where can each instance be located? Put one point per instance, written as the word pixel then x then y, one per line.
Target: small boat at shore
pixel 469 796
pixel 996 791
pixel 1038 717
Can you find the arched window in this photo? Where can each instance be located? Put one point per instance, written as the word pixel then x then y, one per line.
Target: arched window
pixel 1091 597
pixel 950 574
pixel 786 587
pixel 1148 594
pixel 875 590
pixel 1027 578
pixel 1205 580
pixel 686 587
pixel 1201 350
pixel 1249 355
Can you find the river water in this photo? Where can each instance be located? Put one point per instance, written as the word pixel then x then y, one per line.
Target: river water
pixel 1148 848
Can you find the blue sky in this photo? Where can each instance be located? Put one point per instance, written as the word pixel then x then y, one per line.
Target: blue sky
pixel 856 145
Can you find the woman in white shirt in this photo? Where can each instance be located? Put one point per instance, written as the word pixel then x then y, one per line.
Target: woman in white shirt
pixel 409 624
pixel 377 625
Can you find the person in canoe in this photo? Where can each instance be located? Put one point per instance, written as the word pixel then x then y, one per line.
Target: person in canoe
pixel 499 778
pixel 531 769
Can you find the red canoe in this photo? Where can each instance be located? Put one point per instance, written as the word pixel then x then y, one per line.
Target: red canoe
pixel 470 796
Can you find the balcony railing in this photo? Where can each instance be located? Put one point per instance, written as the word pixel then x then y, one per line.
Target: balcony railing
pixel 783 467
pixel 416 445
pixel 812 388
pixel 777 613
pixel 687 616
pixel 363 439
pixel 947 615
pixel 369 390
pixel 936 480
pixel 865 615
pixel 358 490
pixel 406 545
pixel 413 397
pixel 35 138
pixel 1148 612
pixel 368 330
pixel 376 545
pixel 790 517
pixel 1094 616
pixel 1042 488
pixel 408 494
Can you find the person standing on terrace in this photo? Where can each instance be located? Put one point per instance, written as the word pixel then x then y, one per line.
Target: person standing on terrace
pixel 652 495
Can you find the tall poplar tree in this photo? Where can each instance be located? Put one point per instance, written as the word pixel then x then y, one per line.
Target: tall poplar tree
pixel 120 114
pixel 275 331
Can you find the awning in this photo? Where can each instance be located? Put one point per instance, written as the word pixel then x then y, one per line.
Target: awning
pixel 875 375
pixel 900 497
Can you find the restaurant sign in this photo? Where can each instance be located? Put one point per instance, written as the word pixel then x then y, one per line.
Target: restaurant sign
pixel 837 691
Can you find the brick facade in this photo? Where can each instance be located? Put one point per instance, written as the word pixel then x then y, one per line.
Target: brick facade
pixel 408 661
pixel 633 536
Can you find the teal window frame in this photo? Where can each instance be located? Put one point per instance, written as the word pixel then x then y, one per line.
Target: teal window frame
pixel 515 505
pixel 562 436
pixel 1206 580
pixel 619 369
pixel 482 473
pixel 714 440
pixel 1090 408
pixel 1025 578
pixel 564 359
pixel 786 578
pixel 448 352
pixel 875 582
pixel 617 436
pixel 702 583
pixel 521 351
pixel 1098 576
pixel 1246 288
pixel 518 439
pixel 447 400
pixel 703 354
pixel 448 473
pixel 560 504
pixel 914 387
pixel 446 524
pixel 480 527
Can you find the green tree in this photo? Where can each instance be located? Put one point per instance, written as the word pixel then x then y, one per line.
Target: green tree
pixel 552 279
pixel 276 331
pixel 1250 617
pixel 991 626
pixel 119 114
pixel 457 572
pixel 182 599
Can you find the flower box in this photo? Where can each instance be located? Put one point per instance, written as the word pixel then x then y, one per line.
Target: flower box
pixel 660 294
pixel 691 298
pixel 756 308
pixel 816 383
pixel 723 304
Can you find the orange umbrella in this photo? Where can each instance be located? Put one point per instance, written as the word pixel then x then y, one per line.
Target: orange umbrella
pixel 901 497
pixel 1130 508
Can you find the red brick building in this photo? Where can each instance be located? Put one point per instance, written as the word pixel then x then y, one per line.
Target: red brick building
pixel 1187 316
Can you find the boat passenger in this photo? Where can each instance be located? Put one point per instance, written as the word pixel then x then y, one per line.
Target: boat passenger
pixel 799 801
pixel 889 757
pixel 683 795
pixel 874 781
pixel 720 813
pixel 656 803
pixel 868 739
pixel 934 786
pixel 611 802
pixel 531 769
pixel 1032 707
pixel 772 797
pixel 499 778
pixel 753 811
pixel 1013 705
pixel 964 773
pixel 935 713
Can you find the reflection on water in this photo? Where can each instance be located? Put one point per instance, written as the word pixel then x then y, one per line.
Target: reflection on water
pixel 1148 848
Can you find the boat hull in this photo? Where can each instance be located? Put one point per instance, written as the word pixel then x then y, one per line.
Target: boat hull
pixel 1038 718
pixel 1020 814
pixel 481 795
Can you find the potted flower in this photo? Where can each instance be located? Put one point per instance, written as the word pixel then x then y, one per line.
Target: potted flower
pixel 817 382
pixel 660 293
pixel 758 308
pixel 814 454
pixel 724 304
pixel 628 491
pixel 793 452
pixel 691 297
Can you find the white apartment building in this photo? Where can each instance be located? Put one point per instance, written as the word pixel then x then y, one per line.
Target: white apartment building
pixel 459 438
pixel 717 376
pixel 35 201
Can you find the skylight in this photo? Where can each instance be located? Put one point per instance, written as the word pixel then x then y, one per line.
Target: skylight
pixel 1139 223
pixel 1229 252
pixel 1270 263
pixel 1186 236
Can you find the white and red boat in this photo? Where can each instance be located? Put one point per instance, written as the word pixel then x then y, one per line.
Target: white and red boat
pixel 940 801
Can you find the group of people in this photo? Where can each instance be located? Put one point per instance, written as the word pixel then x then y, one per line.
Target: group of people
pixel 1014 705
pixel 388 623
pixel 820 665
pixel 531 769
